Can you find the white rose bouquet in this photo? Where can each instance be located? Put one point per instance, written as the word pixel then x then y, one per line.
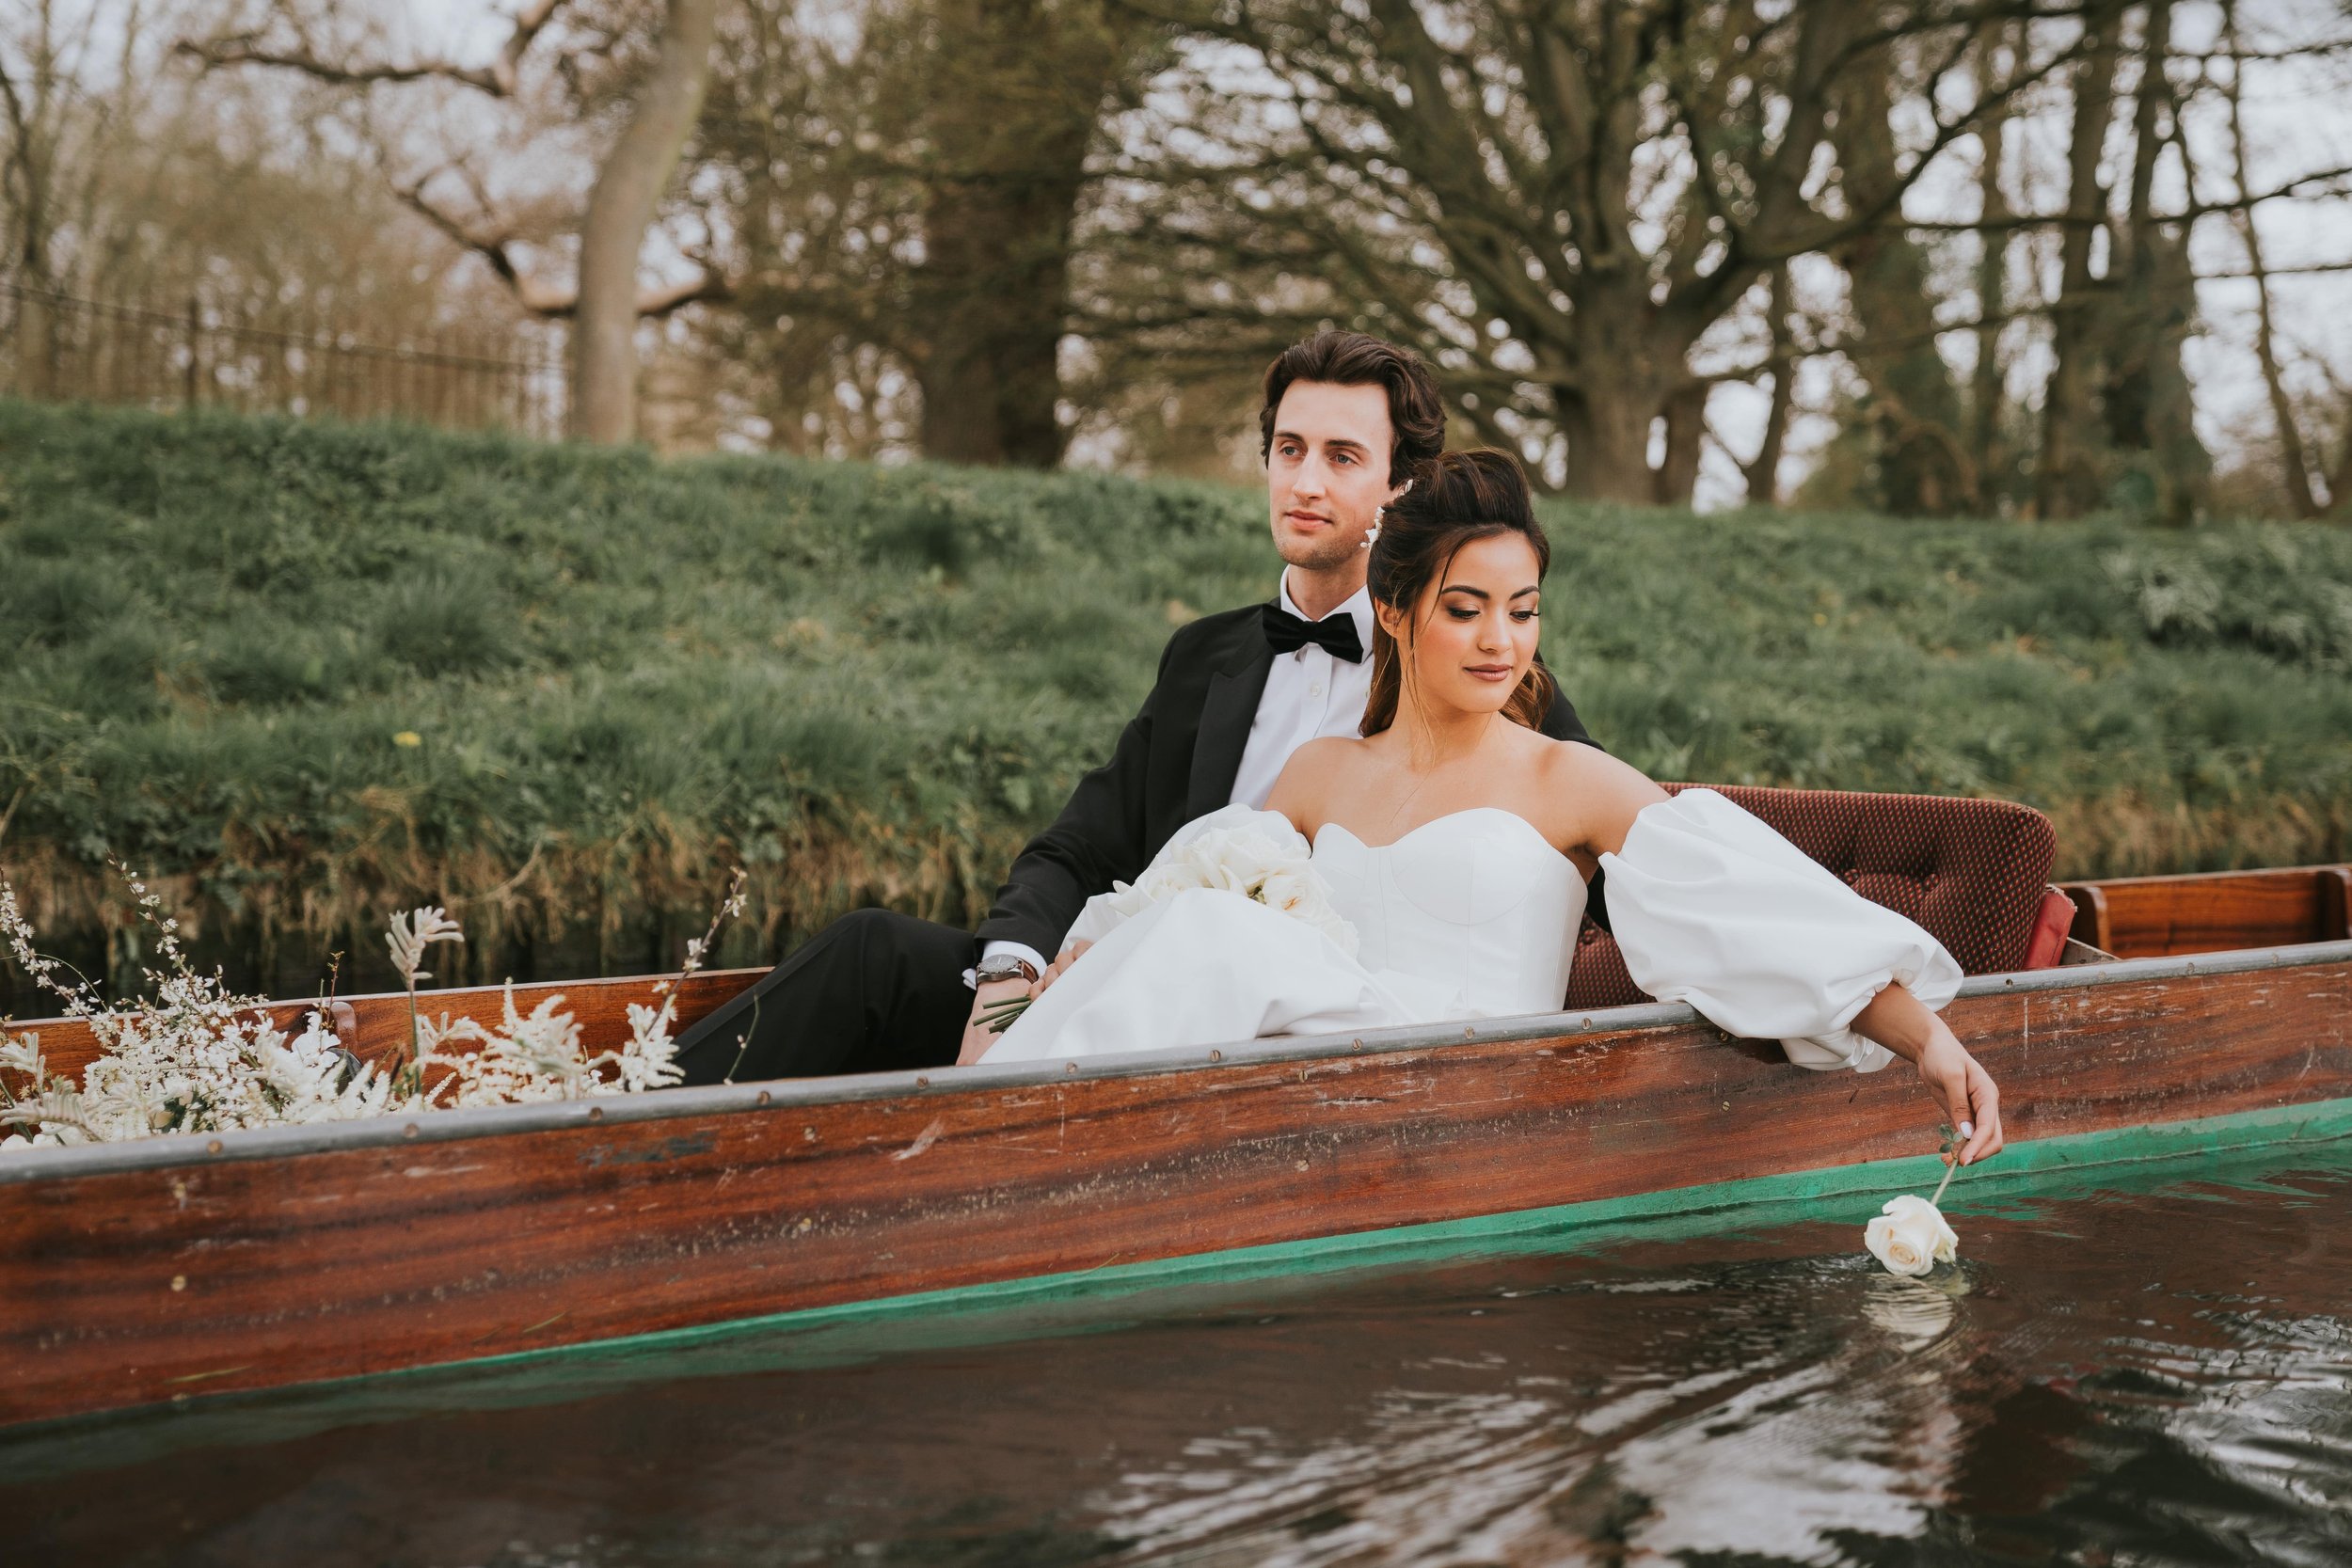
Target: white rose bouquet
pixel 1257 854
pixel 1242 858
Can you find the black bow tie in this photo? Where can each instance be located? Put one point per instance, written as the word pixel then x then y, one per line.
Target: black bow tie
pixel 1334 634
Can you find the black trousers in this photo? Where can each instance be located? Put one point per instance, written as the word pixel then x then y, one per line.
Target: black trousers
pixel 872 992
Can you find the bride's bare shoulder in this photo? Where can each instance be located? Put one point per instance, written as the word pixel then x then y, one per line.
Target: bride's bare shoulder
pixel 1589 772
pixel 1320 758
pixel 1597 794
pixel 1305 780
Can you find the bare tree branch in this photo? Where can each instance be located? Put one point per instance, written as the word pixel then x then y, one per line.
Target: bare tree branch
pixel 498 79
pixel 550 301
pixel 2309 269
pixel 2294 189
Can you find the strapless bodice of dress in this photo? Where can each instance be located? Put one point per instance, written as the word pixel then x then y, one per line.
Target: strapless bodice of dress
pixel 1474 913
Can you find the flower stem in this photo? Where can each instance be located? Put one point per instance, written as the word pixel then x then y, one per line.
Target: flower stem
pixel 414 1052
pixel 1949 1171
pixel 998 1017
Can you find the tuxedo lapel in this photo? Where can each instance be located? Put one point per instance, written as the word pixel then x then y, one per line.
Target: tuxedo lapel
pixel 1226 714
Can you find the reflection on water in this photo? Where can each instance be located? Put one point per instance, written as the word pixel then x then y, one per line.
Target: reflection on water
pixel 2151 1377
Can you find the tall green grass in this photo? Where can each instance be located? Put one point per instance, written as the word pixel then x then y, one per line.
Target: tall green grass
pixel 621 675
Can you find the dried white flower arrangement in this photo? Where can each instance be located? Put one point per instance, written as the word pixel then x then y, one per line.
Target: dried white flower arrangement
pixel 199 1059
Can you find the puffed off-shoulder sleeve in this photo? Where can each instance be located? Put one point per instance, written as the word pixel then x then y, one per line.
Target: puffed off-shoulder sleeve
pixel 1714 909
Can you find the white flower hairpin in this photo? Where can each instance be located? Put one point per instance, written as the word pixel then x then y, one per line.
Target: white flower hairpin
pixel 1371 534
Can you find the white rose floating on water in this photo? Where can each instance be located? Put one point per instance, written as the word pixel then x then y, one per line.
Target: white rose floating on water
pixel 1910 1237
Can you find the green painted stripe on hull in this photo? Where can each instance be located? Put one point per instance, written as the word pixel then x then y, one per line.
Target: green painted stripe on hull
pixel 1050 1305
pixel 1755 1203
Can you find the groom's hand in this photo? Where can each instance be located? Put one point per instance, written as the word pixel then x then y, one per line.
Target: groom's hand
pixel 977 1037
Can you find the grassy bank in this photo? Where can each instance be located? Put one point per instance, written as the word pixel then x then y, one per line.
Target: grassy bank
pixel 313 672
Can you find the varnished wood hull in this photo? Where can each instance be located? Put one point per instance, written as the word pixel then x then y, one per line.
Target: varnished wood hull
pixel 142 1272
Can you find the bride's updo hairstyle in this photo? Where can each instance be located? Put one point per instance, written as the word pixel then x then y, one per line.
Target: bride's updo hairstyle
pixel 1454 499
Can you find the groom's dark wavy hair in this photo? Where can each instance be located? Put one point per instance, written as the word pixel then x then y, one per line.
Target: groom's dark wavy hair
pixel 1416 413
pixel 1453 499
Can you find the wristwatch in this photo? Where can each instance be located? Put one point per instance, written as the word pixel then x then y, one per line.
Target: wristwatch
pixel 1004 966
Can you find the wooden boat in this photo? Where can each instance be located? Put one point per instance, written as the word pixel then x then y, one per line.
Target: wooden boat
pixel 194 1268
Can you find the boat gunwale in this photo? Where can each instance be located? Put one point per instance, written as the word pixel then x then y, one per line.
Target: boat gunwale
pixel 25 1167
pixel 2193 878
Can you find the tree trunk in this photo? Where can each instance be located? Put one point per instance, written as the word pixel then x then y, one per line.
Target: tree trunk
pixel 1606 420
pixel 620 208
pixel 2340 477
pixel 31 151
pixel 1022 84
pixel 2294 463
pixel 1987 386
pixel 1608 442
pixel 1677 476
pixel 2068 484
pixel 1913 407
pixel 36 346
pixel 1762 471
pixel 2147 400
pixel 995 287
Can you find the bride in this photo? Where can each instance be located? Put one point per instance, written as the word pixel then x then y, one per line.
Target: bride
pixel 1455 842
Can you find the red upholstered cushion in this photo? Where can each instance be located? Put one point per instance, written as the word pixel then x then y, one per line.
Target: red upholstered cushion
pixel 2051 924
pixel 1971 871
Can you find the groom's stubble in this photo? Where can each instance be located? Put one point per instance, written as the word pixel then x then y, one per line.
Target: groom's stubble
pixel 1320 555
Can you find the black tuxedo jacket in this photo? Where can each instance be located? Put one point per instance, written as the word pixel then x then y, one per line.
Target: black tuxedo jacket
pixel 1175 761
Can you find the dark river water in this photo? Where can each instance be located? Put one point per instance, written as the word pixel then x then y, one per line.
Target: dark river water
pixel 2150 1367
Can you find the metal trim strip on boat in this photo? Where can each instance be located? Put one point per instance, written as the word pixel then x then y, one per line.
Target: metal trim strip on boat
pixel 19 1167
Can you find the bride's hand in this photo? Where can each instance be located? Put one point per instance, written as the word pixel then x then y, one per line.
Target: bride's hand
pixel 1971 1102
pixel 1896 1020
pixel 1060 966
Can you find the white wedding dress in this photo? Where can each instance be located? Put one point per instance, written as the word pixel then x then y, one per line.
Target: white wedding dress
pixel 1475 915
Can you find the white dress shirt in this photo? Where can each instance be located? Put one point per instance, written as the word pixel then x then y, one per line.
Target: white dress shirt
pixel 1309 694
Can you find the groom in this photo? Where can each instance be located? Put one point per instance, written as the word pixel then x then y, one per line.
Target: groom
pixel 1344 416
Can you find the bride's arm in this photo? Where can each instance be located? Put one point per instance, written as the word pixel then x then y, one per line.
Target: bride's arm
pixel 1972 1103
pixel 1601 798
